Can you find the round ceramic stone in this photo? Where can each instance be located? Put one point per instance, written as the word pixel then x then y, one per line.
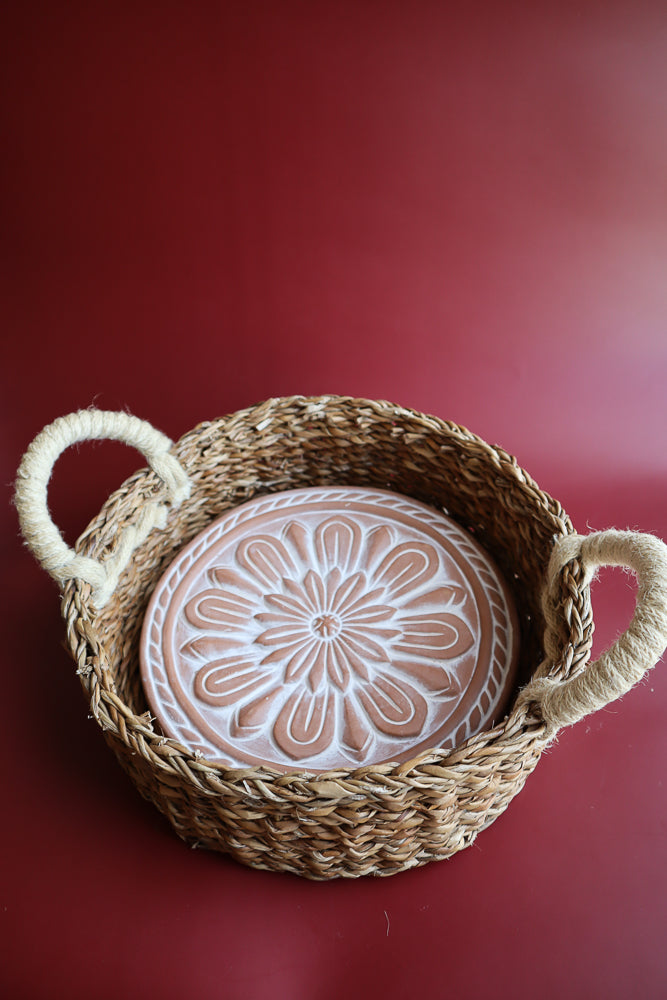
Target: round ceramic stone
pixel 325 628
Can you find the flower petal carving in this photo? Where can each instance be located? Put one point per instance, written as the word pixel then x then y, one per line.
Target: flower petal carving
pixel 378 543
pixel 209 647
pixel 229 580
pixel 254 715
pixel 407 567
pixel 356 734
pixel 278 635
pixel 438 598
pixel 266 559
pixel 302 661
pixel 317 671
pixel 287 604
pixel 355 660
pixel 350 590
pixel 338 543
pixel 439 634
pixel 314 587
pixel 333 582
pixel 364 646
pixel 226 681
pixel 350 607
pixel 370 614
pixel 298 537
pixel 277 618
pixel 306 724
pixel 281 653
pixel 394 707
pixel 218 609
pixel 438 679
pixel 338 670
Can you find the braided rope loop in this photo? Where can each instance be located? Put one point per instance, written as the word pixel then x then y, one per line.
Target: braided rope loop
pixel 43 537
pixel 564 702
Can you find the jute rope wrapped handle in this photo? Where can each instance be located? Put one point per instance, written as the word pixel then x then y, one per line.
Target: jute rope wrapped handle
pixel 39 531
pixel 563 703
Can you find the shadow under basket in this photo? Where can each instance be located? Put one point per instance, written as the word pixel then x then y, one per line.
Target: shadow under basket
pixel 378 819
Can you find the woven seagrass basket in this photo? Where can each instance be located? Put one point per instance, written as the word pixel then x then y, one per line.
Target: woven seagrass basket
pixel 378 819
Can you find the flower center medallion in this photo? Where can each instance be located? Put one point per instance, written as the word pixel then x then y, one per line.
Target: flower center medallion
pixel 325 628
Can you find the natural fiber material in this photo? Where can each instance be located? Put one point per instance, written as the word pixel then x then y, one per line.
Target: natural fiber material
pixel 35 471
pixel 383 818
pixel 563 703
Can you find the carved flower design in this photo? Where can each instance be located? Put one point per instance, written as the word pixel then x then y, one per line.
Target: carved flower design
pixel 327 635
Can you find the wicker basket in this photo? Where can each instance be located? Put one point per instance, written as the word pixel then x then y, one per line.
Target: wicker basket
pixel 378 819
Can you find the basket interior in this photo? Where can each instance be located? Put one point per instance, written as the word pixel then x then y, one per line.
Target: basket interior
pixel 300 442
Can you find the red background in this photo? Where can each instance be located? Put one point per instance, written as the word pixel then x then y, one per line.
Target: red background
pixel 458 207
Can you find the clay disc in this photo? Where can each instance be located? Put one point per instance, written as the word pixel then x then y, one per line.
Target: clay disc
pixel 324 628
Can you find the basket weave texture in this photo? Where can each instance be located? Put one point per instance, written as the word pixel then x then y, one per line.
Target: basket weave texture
pixel 378 819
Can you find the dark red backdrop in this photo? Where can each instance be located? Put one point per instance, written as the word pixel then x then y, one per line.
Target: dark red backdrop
pixel 458 207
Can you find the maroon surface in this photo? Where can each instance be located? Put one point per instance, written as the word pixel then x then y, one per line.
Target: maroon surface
pixel 457 207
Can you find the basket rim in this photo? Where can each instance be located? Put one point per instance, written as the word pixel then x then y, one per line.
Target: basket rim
pixel 137 731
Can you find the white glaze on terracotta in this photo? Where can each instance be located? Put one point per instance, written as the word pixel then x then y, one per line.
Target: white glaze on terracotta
pixel 322 628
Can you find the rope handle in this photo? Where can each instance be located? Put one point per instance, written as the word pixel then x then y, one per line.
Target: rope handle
pixel 564 702
pixel 40 533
